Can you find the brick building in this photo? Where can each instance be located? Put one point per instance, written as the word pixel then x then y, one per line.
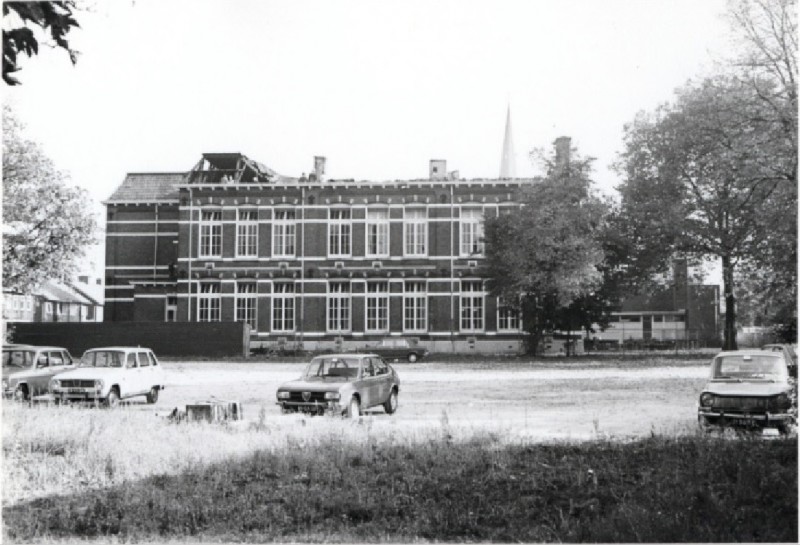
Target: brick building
pixel 325 263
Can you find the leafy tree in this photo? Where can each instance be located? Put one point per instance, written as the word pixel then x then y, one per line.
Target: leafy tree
pixel 544 258
pixel 46 223
pixel 55 18
pixel 701 173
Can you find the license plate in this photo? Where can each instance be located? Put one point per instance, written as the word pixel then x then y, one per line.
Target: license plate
pixel 75 390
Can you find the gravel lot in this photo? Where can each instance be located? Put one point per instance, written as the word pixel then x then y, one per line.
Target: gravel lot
pixel 518 400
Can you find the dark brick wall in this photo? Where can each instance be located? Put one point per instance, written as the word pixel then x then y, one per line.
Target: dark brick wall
pixel 164 338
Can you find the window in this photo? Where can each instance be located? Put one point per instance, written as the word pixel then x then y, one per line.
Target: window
pixel 208 307
pixel 471 305
pixel 415 307
pixel 471 232
pixel 144 360
pixel 338 307
pixel 283 233
pixel 283 307
pixel 130 361
pixel 247 233
pixel 339 233
pixel 377 232
pixel 246 303
pixel 507 317
pixel 211 234
pixel 171 309
pixel 415 232
pixel 56 358
pixel 377 306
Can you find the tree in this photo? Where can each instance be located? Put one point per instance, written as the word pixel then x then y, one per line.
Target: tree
pixel 55 18
pixel 700 175
pixel 47 224
pixel 543 259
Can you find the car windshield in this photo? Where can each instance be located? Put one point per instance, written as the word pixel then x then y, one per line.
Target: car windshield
pixel 18 358
pixel 749 367
pixel 103 358
pixel 332 367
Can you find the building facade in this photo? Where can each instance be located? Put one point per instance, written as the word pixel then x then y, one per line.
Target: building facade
pixel 322 263
pixel 52 302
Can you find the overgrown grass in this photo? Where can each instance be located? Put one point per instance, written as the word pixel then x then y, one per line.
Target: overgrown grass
pixel 331 480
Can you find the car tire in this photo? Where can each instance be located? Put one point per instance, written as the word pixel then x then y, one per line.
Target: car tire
pixel 412 358
pixel 112 401
pixel 390 406
pixel 152 396
pixel 354 408
pixel 21 393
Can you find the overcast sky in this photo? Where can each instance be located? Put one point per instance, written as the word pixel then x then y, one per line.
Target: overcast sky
pixel 377 87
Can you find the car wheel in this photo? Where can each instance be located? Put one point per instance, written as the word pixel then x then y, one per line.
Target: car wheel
pixel 112 401
pixel 412 358
pixel 21 393
pixel 152 397
pixel 354 408
pixel 391 404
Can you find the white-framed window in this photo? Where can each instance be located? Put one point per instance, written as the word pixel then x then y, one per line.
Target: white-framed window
pixel 208 303
pixel 471 232
pixel 507 317
pixel 472 307
pixel 415 232
pixel 283 233
pixel 247 233
pixel 210 233
pixel 339 307
pixel 246 303
pixel 377 232
pixel 415 307
pixel 339 233
pixel 377 307
pixel 283 307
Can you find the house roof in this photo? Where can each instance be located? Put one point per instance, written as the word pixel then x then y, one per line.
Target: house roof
pixel 148 187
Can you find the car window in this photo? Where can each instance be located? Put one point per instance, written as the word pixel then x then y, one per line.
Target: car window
pixel 380 367
pixel 403 343
pixel 153 360
pixel 17 358
pixel 56 358
pixel 369 368
pixel 332 366
pixel 748 367
pixel 144 361
pixel 102 358
pixel 130 361
pixel 41 360
pixel 67 357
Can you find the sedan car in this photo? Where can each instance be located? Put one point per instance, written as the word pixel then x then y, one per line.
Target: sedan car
pixel 749 388
pixel 108 375
pixel 399 348
pixel 342 384
pixel 27 369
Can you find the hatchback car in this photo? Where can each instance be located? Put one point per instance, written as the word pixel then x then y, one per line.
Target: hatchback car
pixel 110 374
pixel 749 388
pixel 342 384
pixel 27 369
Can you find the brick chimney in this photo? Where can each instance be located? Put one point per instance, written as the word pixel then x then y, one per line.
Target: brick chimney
pixel 319 167
pixel 562 145
pixel 438 169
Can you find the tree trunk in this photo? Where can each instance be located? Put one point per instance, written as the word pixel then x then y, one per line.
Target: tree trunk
pixel 729 338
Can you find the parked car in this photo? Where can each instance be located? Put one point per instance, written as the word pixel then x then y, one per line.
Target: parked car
pixel 398 348
pixel 342 384
pixel 27 369
pixel 751 389
pixel 110 374
pixel 789 354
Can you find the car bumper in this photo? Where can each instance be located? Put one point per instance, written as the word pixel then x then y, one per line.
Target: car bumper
pixel 755 418
pixel 76 394
pixel 331 407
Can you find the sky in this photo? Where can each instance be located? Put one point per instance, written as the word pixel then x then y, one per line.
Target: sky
pixel 378 87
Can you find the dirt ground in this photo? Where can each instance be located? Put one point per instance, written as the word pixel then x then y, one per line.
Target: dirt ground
pixel 516 400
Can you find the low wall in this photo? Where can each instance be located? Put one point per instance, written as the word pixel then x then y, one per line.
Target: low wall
pixel 193 339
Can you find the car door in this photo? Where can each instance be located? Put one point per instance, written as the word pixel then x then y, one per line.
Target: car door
pixel 369 387
pixel 383 377
pixel 39 376
pixel 129 376
pixel 145 372
pixel 55 365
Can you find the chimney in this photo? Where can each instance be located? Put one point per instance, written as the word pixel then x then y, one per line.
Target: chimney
pixel 319 167
pixel 562 144
pixel 438 169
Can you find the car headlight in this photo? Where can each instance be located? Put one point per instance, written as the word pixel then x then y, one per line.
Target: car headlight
pixel 283 395
pixel 781 402
pixel 5 384
pixel 55 383
pixel 98 385
pixel 332 396
pixel 707 400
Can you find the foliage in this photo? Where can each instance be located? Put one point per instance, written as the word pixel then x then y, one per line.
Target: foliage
pixel 701 174
pixel 56 18
pixel 46 223
pixel 544 258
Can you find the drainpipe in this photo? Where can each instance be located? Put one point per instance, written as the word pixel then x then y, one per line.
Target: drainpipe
pixel 189 284
pixel 452 271
pixel 155 245
pixel 302 265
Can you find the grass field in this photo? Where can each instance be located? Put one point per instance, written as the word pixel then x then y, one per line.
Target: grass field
pixel 432 472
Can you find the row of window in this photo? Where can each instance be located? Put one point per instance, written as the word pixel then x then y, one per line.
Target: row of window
pixel 339 307
pixel 340 233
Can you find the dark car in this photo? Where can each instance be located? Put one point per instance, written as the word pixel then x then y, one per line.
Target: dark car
pixel 342 384
pixel 27 369
pixel 399 348
pixel 749 389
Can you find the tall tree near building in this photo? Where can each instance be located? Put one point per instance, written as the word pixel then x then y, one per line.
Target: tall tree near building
pixel 47 224
pixel 701 174
pixel 20 19
pixel 544 258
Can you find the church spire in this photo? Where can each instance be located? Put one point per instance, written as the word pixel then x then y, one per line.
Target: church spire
pixel 508 168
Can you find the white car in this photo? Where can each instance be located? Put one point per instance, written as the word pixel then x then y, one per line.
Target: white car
pixel 110 374
pixel 27 369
